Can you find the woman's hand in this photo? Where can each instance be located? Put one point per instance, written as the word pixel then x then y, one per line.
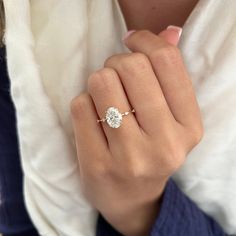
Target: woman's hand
pixel 124 170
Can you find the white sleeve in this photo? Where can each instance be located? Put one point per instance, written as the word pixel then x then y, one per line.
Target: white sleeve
pixel 51 177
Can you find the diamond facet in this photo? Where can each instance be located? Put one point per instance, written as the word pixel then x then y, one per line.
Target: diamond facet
pixel 113 117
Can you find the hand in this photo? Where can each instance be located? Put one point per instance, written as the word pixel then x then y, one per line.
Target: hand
pixel 124 171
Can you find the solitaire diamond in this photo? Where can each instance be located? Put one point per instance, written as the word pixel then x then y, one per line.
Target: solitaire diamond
pixel 113 117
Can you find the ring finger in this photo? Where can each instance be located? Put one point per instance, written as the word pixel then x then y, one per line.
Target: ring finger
pixel 143 91
pixel 107 91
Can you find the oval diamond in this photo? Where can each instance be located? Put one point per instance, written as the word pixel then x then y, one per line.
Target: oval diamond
pixel 113 117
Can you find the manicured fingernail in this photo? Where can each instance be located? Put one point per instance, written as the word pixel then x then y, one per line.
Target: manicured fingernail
pixel 176 28
pixel 127 34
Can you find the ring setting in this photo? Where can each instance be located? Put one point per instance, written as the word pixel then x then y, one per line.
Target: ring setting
pixel 114 117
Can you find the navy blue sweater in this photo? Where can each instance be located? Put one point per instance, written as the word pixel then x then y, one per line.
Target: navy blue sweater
pixel 178 216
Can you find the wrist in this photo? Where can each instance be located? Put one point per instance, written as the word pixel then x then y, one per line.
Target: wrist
pixel 142 220
pixel 136 220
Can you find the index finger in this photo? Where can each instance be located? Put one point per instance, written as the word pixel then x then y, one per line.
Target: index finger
pixel 170 70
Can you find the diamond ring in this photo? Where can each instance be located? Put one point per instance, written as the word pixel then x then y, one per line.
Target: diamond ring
pixel 113 117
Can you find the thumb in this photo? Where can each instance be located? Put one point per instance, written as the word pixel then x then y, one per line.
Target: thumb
pixel 171 34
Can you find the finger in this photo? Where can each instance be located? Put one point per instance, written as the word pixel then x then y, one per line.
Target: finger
pixel 90 139
pixel 142 89
pixel 106 90
pixel 171 73
pixel 171 34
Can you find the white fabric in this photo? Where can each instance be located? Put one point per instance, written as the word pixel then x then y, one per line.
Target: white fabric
pixel 52 47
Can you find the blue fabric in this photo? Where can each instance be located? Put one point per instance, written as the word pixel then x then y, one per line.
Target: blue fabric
pixel 178 216
pixel 13 215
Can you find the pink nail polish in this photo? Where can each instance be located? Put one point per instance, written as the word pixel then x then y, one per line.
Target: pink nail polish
pixel 176 28
pixel 127 34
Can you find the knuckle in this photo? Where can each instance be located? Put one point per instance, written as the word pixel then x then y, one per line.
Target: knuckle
pixel 172 158
pixel 197 133
pixel 142 33
pixel 79 104
pixel 137 164
pixel 112 59
pixel 175 161
pixel 134 169
pixel 99 171
pixel 168 54
pixel 133 62
pixel 101 79
pixel 106 73
pixel 138 169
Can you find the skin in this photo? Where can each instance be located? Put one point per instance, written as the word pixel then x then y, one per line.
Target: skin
pixel 157 14
pixel 124 171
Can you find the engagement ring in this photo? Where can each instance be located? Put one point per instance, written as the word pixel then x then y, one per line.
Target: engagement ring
pixel 113 117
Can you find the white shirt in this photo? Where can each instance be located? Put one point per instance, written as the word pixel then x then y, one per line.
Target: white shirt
pixel 53 46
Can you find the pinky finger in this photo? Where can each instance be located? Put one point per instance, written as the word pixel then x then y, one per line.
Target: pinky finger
pixel 89 135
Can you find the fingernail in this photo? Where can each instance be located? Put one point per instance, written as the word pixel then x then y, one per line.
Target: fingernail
pixel 127 34
pixel 176 28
